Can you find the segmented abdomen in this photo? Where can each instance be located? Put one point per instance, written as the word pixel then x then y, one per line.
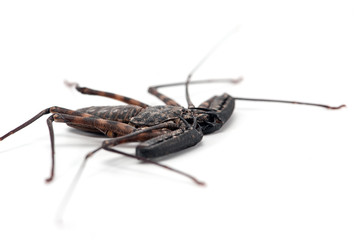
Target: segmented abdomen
pixel 115 113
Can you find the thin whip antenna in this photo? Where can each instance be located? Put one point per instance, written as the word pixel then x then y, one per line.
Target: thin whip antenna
pixel 200 63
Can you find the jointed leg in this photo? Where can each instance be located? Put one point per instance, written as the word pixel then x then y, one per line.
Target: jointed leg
pixel 110 128
pixel 293 102
pixel 107 127
pixel 158 164
pixel 168 101
pixel 42 113
pixel 50 126
pixel 141 135
pixel 128 138
pixel 121 98
pixel 154 89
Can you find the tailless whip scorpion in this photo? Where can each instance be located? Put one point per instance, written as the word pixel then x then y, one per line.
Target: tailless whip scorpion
pixel 161 130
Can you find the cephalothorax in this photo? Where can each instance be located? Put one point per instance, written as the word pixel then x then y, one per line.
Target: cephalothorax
pixel 162 130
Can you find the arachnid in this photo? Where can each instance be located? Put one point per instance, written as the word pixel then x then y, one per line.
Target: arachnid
pixel 161 130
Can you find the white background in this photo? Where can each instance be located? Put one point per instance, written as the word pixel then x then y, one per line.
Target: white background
pixel 273 172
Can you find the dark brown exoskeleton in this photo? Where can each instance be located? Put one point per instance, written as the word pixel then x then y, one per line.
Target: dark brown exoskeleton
pixel 162 130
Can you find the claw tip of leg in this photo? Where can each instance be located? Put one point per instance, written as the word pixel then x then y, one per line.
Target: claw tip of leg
pixel 238 80
pixel 335 108
pixel 49 180
pixel 88 156
pixel 70 84
pixel 203 184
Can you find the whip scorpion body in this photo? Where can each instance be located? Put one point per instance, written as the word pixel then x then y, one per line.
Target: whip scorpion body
pixel 161 130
